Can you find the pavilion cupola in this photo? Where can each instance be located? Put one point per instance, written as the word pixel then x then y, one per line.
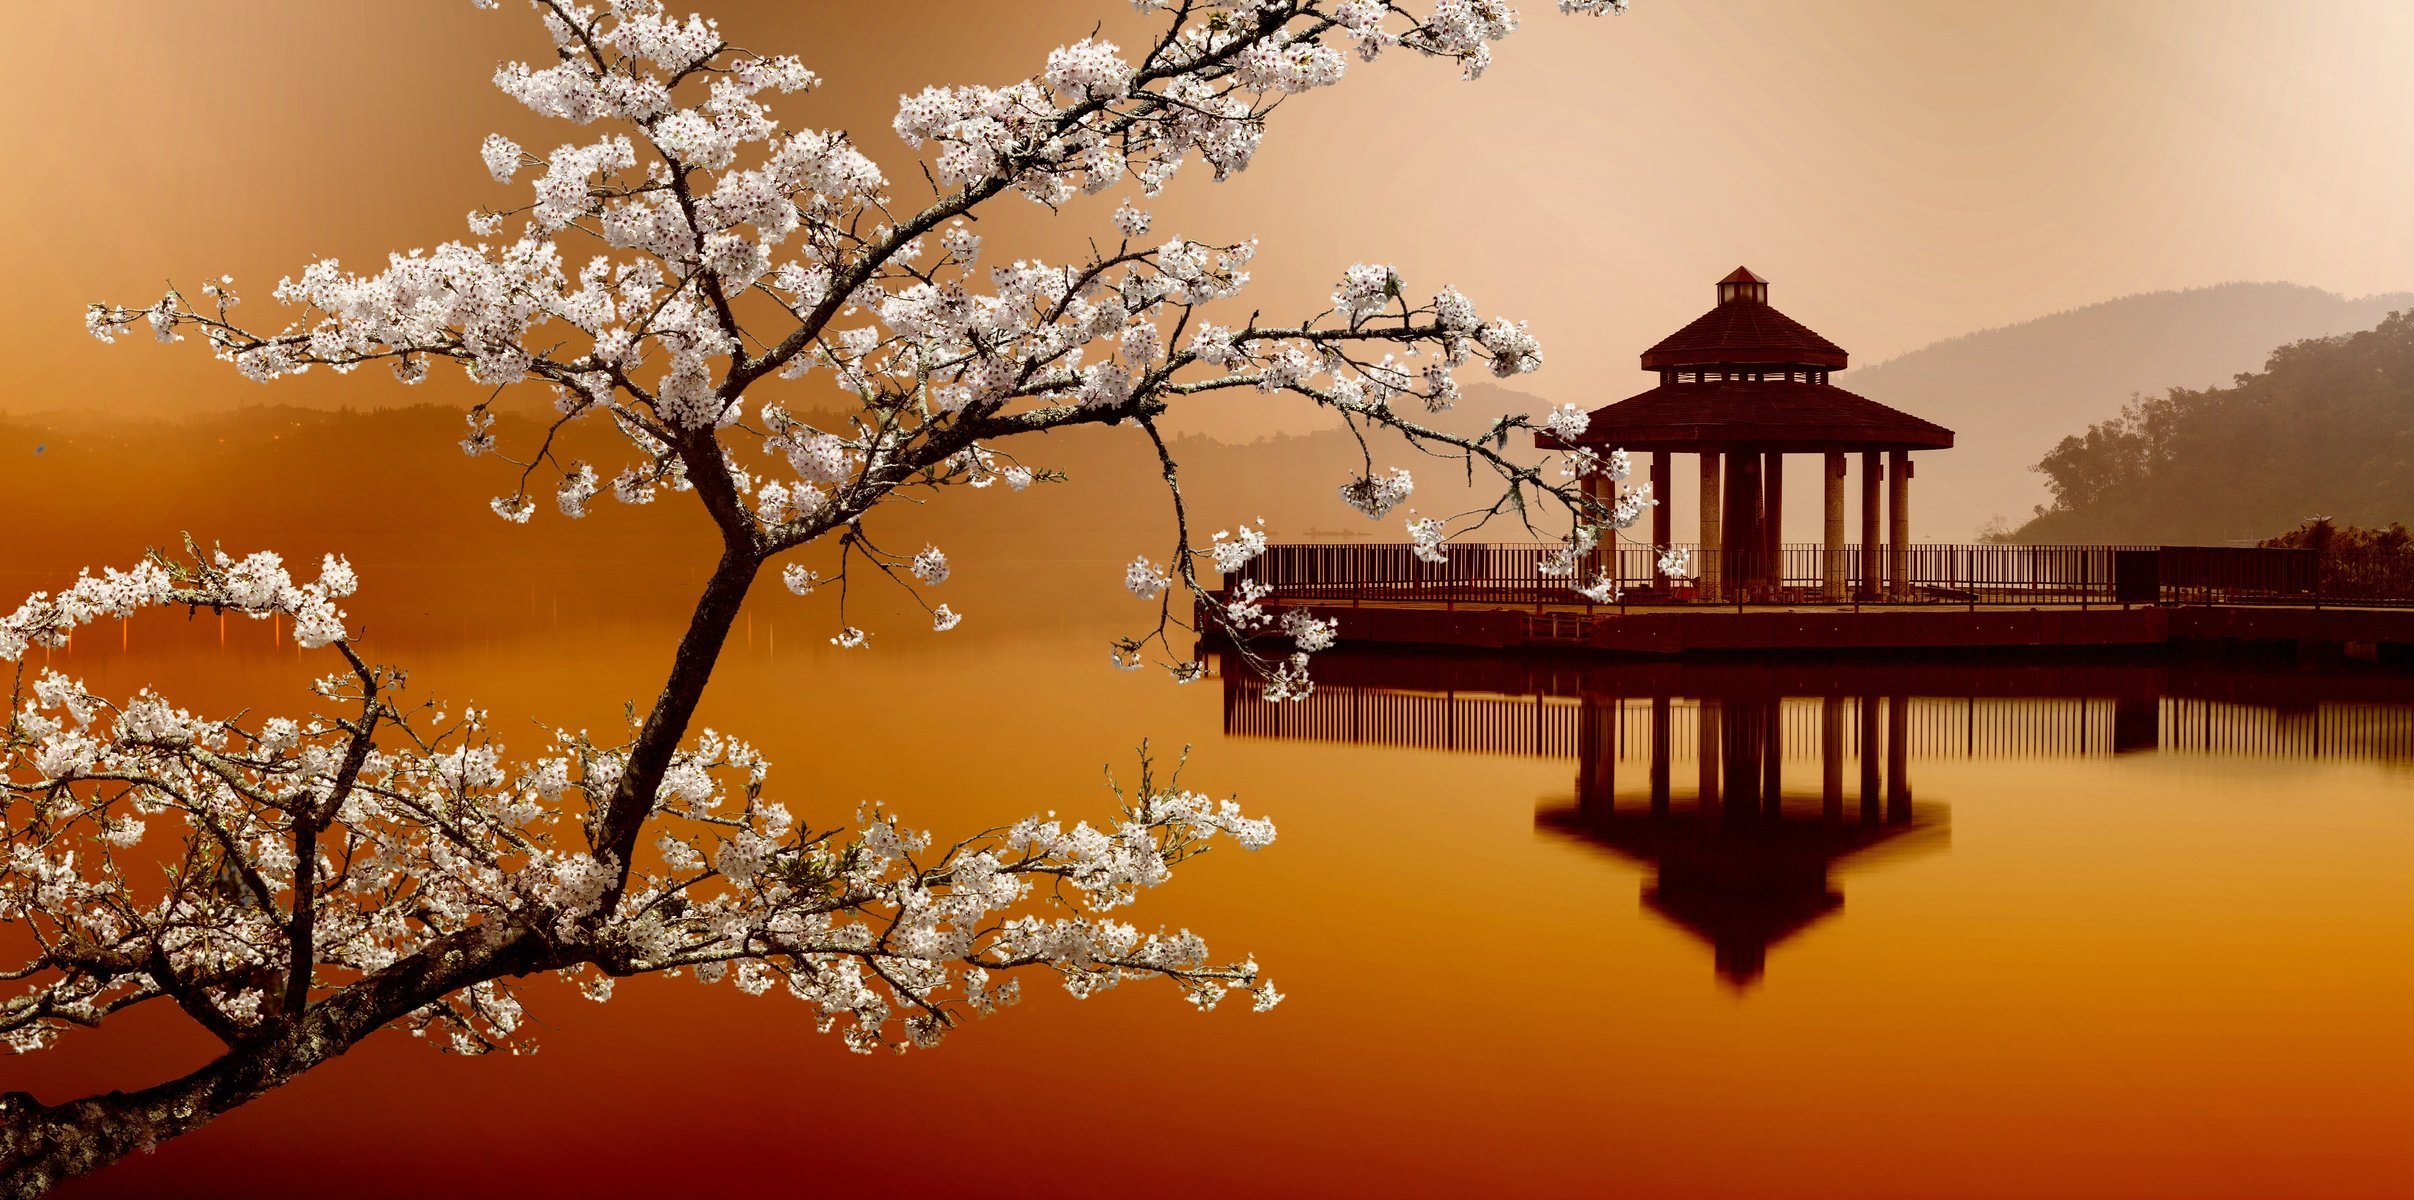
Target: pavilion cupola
pixel 1743 287
pixel 1744 339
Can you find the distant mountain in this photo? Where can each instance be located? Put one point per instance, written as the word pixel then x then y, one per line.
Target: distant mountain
pixel 2010 394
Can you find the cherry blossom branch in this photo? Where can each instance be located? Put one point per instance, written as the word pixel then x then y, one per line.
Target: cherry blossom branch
pixel 460 870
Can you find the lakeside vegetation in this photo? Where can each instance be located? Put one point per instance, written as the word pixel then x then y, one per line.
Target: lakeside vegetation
pixel 2324 433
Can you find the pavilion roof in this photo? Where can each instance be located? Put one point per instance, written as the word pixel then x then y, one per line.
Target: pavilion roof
pixel 1740 883
pixel 1769 414
pixel 1741 926
pixel 1744 332
pixel 1781 845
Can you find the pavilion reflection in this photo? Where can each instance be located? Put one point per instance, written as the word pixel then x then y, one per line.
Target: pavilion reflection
pixel 1746 787
pixel 1739 860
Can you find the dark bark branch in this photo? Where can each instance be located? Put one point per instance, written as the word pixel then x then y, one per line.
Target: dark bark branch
pixel 618 827
pixel 43 1144
pixel 301 928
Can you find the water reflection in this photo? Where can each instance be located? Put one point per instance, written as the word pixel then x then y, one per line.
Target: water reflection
pixel 1743 787
pixel 1741 862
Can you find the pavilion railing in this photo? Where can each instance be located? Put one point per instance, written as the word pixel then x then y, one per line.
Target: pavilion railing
pixel 1965 573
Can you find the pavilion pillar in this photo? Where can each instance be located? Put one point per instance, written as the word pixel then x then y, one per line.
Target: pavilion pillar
pixel 1742 511
pixel 1659 755
pixel 1831 564
pixel 1596 756
pixel 1865 707
pixel 1898 523
pixel 1898 759
pixel 1663 514
pixel 1772 520
pixel 1741 733
pixel 1605 494
pixel 1711 568
pixel 1831 755
pixel 1772 748
pixel 1872 473
pixel 1706 749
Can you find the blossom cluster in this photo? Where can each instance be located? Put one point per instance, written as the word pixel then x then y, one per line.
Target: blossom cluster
pixel 257 586
pixel 406 826
pixel 628 283
pixel 1376 495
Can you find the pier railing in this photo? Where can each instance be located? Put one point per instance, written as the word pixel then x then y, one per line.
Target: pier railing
pixel 1932 573
pixel 2052 727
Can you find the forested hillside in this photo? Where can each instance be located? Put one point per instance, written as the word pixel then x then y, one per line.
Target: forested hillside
pixel 2326 429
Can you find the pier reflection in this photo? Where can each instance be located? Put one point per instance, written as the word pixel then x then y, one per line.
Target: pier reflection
pixel 1744 787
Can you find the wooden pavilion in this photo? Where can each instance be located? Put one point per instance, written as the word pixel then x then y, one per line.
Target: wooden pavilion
pixel 1743 386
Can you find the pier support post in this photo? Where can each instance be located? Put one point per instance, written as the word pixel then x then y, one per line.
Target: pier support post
pixel 1712 570
pixel 1831 565
pixel 1872 473
pixel 1898 524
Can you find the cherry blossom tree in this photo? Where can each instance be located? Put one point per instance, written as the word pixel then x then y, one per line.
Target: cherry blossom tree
pixel 293 884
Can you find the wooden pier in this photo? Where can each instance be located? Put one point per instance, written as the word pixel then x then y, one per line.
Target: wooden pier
pixel 2375 632
pixel 1955 598
pixel 1534 705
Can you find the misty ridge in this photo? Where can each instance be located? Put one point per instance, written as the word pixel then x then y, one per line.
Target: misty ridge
pixel 397 477
pixel 2011 394
pixel 391 488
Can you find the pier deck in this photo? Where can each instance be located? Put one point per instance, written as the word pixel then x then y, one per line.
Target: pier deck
pixel 1690 629
pixel 1957 597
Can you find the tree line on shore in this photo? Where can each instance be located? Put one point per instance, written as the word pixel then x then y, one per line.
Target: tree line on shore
pixel 2321 442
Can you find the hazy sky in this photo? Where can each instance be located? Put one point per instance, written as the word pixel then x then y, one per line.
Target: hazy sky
pixel 1902 171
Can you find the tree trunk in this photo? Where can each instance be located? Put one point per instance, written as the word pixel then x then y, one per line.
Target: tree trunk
pixel 42 1145
pixel 666 726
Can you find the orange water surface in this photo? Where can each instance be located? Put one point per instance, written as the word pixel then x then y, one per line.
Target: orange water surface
pixel 2100 929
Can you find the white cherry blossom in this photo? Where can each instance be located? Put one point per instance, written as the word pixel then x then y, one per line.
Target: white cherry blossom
pixel 685 248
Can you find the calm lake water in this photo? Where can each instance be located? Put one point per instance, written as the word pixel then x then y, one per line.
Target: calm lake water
pixel 2092 929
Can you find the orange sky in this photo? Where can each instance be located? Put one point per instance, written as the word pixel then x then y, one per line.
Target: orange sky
pixel 1903 171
